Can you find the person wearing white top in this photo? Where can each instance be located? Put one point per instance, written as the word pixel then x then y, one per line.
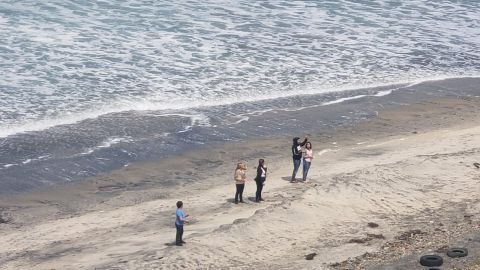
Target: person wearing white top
pixel 260 179
pixel 307 159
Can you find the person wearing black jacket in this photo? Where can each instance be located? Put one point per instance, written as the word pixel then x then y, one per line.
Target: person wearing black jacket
pixel 297 156
pixel 260 179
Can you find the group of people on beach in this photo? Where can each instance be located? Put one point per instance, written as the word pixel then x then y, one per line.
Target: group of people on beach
pixel 240 178
pixel 301 152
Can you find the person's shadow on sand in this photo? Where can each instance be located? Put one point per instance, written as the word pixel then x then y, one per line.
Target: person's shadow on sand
pixel 231 200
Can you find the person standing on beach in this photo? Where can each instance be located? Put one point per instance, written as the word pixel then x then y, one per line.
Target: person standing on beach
pixel 297 156
pixel 260 179
pixel 179 221
pixel 307 159
pixel 240 178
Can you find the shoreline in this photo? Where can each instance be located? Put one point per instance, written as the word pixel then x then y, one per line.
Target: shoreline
pixel 73 153
pixel 46 124
pixel 122 219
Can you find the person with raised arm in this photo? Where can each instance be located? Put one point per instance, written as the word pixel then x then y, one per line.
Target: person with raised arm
pixel 297 156
pixel 240 178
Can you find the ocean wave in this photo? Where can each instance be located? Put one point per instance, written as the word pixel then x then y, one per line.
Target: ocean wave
pixel 72 118
pixel 66 61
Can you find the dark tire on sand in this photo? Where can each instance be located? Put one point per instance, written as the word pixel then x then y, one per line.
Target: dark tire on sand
pixel 457 252
pixel 431 260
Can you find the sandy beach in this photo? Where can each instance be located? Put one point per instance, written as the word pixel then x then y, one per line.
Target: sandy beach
pixel 380 194
pixel 113 111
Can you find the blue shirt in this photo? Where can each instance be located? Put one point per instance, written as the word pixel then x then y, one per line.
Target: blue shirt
pixel 179 214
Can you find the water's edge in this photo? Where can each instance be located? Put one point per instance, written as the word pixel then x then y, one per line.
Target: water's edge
pixel 69 153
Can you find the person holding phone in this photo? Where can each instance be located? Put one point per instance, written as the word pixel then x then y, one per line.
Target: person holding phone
pixel 297 156
pixel 260 179
pixel 240 178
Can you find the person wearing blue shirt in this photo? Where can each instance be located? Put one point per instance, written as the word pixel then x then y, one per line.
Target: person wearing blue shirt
pixel 179 221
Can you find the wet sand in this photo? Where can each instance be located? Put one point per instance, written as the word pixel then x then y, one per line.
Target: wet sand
pixel 409 170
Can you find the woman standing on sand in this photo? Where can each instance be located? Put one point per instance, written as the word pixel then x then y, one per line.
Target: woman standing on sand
pixel 307 159
pixel 240 178
pixel 260 179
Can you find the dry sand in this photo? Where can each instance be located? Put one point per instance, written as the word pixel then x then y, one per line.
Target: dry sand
pixel 410 171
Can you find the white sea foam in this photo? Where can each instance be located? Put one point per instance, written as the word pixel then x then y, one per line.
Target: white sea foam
pixel 242 119
pixel 65 61
pixel 71 118
pixel 195 120
pixel 9 165
pixel 105 144
pixel 340 100
pixel 27 161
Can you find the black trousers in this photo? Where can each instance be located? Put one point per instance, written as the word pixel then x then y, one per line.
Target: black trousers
pixel 178 239
pixel 239 193
pixel 258 195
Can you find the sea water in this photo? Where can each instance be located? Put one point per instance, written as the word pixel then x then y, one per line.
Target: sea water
pixel 89 86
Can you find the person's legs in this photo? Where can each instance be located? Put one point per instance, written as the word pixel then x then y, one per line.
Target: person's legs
pixel 259 190
pixel 237 192
pixel 240 194
pixel 296 165
pixel 306 167
pixel 260 187
pixel 178 240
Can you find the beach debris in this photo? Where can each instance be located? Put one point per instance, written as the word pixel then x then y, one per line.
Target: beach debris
pixel 370 237
pixel 310 256
pixel 477 165
pixel 431 260
pixel 457 252
pixel 359 240
pixel 4 219
pixel 372 224
pixel 409 234
pixel 375 236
